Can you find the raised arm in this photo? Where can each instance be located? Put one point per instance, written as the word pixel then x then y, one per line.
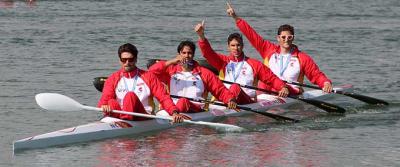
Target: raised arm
pixel 199 29
pixel 214 59
pixel 231 12
pixel 161 66
pixel 254 38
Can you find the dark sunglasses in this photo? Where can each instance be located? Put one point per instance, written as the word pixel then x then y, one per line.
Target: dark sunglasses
pixel 287 37
pixel 130 60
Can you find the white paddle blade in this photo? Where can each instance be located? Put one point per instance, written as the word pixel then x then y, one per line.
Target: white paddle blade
pixel 57 102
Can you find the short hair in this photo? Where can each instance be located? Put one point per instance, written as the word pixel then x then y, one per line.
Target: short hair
pixel 188 43
pixel 128 48
pixel 286 27
pixel 236 36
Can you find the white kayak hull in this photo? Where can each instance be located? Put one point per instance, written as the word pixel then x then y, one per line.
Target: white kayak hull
pixel 111 127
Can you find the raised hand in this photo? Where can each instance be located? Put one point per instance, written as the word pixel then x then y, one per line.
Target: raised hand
pixel 177 60
pixel 230 11
pixel 199 29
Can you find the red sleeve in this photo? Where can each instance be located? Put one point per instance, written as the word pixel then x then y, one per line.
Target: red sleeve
pixel 215 86
pixel 161 71
pixel 216 60
pixel 312 71
pixel 264 74
pixel 108 89
pixel 160 93
pixel 158 68
pixel 261 45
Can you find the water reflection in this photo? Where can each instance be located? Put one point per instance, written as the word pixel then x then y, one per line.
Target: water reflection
pixel 186 146
pixel 14 4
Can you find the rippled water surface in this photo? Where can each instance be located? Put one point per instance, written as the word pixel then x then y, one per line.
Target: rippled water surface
pixel 60 46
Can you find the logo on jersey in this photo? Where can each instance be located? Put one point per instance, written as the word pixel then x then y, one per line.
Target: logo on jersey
pixel 140 89
pixel 119 90
pixel 176 79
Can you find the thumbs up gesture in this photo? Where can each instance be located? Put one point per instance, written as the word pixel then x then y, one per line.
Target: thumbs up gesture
pixel 199 29
pixel 230 11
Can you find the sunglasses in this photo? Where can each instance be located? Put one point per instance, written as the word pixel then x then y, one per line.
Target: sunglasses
pixel 287 37
pixel 130 60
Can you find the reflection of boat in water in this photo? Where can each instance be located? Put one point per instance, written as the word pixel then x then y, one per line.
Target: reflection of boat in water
pixel 7 3
pixel 111 127
pixel 13 4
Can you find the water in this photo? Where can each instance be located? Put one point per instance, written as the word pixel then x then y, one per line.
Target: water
pixel 59 46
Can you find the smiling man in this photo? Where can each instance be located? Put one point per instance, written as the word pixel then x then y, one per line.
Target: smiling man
pixel 132 89
pixel 285 60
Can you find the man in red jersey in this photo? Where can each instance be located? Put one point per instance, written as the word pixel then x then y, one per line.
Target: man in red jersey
pixel 132 89
pixel 239 68
pixel 188 79
pixel 285 60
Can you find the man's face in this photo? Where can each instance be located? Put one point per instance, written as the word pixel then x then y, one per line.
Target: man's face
pixel 285 39
pixel 128 61
pixel 235 47
pixel 186 53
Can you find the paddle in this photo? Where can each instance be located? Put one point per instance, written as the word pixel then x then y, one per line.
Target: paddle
pixel 274 116
pixel 58 102
pixel 320 104
pixel 367 99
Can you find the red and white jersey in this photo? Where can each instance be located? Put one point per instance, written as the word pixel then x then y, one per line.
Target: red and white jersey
pixel 243 70
pixel 240 72
pixel 285 66
pixel 186 84
pixel 144 84
pixel 137 85
pixel 299 65
pixel 195 84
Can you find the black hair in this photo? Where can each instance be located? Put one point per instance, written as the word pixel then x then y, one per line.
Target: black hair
pixel 128 48
pixel 236 36
pixel 286 27
pixel 188 43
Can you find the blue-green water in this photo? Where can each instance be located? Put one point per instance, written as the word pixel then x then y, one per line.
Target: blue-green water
pixel 59 46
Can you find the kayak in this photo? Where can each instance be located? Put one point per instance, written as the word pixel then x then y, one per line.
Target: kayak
pixel 109 127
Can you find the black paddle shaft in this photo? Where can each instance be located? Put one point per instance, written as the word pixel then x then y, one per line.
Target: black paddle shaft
pixel 331 108
pixel 274 116
pixel 366 99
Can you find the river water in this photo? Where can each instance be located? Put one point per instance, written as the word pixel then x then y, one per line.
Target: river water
pixel 60 46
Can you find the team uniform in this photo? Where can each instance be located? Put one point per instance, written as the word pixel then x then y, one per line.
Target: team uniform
pixel 134 92
pixel 290 67
pixel 194 84
pixel 244 70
